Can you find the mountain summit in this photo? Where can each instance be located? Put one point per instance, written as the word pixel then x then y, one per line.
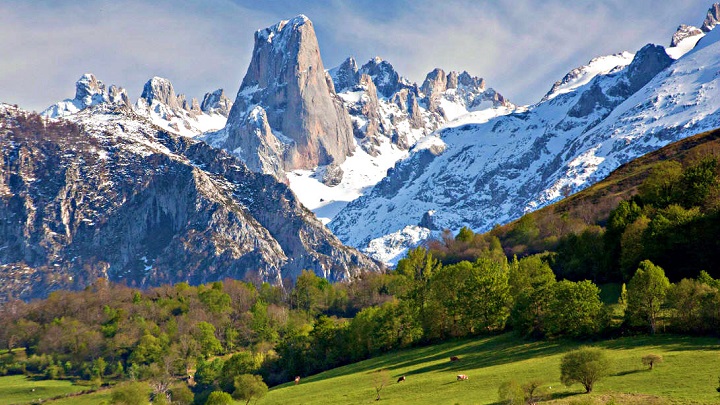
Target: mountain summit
pixel 286 115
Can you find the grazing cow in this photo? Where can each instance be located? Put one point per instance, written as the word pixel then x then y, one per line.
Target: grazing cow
pixel 454 358
pixel 297 380
pixel 401 379
pixel 462 377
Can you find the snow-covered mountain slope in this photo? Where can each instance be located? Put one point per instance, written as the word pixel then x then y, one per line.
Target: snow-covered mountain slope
pixel 105 193
pixel 582 130
pixel 582 75
pixel 390 115
pixel 158 102
pixel 494 172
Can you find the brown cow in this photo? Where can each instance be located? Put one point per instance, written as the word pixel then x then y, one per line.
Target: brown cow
pixel 454 358
pixel 401 379
pixel 297 380
pixel 462 377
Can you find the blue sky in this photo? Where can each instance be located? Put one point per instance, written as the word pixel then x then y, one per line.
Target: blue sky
pixel 520 47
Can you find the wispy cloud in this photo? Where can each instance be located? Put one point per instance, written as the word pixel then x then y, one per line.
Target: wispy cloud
pixel 519 46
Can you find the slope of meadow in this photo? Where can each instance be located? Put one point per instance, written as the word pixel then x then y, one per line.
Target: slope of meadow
pixel 687 376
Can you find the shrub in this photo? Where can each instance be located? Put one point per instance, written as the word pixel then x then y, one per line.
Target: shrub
pixel 585 366
pixel 651 359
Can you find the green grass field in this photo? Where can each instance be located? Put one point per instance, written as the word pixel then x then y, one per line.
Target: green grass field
pixel 18 389
pixel 689 374
pixel 95 398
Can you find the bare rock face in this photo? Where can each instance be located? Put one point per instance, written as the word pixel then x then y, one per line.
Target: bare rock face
pixel 346 75
pixel 120 199
pixel 383 74
pixel 466 80
pixel 216 103
pixel 118 96
pixel 89 91
pixel 434 85
pixel 407 101
pixel 259 138
pixel 452 80
pixel 162 90
pixel 333 175
pixel 435 82
pixel 286 77
pixel 712 19
pixel 684 31
pixel 457 88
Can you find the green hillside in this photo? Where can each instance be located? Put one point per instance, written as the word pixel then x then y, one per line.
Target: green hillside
pixel 687 376
pixel 670 216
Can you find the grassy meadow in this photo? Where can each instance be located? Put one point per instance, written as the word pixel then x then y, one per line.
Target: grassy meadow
pixel 688 375
pixel 19 389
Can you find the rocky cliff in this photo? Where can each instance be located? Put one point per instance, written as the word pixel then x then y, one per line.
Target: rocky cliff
pixel 287 80
pixel 108 194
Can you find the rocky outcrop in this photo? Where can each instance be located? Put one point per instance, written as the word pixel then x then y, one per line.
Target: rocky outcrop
pixel 110 195
pixel 161 91
pixel 383 74
pixel 407 101
pixel 646 64
pixel 267 150
pixel 460 89
pixel 684 31
pixel 287 79
pixel 345 76
pixel 89 91
pixel 712 18
pixel 216 103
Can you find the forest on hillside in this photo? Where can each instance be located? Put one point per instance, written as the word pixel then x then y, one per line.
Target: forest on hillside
pixel 648 267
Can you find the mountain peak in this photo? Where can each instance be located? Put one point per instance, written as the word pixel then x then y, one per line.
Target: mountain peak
pixel 383 74
pixel 712 18
pixel 216 102
pixel 280 33
pixel 89 91
pixel 88 88
pixel 160 89
pixel 684 31
pixel 286 77
pixel 346 75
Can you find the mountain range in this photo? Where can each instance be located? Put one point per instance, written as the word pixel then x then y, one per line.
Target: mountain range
pixel 168 189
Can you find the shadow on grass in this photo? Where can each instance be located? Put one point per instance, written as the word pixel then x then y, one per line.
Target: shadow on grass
pixel 560 395
pixel 627 372
pixel 669 342
pixel 474 353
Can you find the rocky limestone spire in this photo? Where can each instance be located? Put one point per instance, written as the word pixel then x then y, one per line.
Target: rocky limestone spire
pixel 434 85
pixel 118 95
pixel 477 83
pixel 435 82
pixel 216 103
pixel 383 74
pixel 452 80
pixel 286 77
pixel 89 91
pixel 162 90
pixel 369 107
pixel 712 19
pixel 346 75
